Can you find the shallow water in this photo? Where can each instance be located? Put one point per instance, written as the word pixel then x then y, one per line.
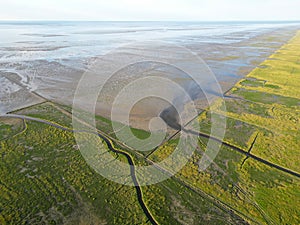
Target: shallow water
pixel 50 57
pixel 23 41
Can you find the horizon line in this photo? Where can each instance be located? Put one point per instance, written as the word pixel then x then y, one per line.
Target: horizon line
pixel 54 20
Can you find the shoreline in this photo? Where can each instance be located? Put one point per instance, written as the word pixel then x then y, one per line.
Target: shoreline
pixel 65 89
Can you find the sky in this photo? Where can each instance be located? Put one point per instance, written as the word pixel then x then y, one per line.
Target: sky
pixel 151 10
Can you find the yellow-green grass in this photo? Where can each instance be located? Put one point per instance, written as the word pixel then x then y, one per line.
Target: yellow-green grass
pixel 267 106
pixel 248 188
pixel 272 104
pixel 281 70
pixel 44 179
pixel 10 127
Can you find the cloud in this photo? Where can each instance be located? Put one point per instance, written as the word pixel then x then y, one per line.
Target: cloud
pixel 149 10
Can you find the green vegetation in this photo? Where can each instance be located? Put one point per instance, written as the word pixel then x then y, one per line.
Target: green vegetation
pixel 45 179
pixel 10 127
pixel 265 97
pixel 47 111
pixel 44 176
pixel 280 72
pixel 262 112
pixel 233 127
pixel 171 202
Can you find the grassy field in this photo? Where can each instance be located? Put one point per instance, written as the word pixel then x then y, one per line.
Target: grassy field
pixel 262 111
pixel 271 109
pixel 45 179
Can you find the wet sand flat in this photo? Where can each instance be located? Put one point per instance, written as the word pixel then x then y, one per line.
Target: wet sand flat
pixel 54 69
